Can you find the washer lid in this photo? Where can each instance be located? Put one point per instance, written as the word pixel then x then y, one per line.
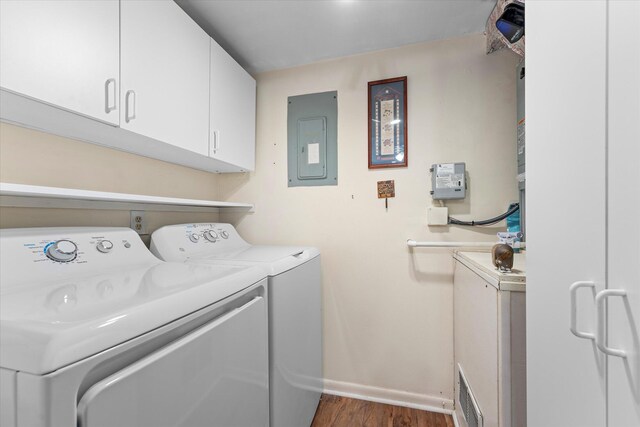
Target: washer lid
pixel 48 324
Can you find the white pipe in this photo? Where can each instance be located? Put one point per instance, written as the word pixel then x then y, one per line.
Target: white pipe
pixel 413 244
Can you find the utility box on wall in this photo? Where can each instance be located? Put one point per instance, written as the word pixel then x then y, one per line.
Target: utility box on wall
pixel 312 139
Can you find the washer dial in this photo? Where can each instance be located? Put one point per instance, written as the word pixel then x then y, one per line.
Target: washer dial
pixel 195 238
pixel 104 246
pixel 62 251
pixel 224 234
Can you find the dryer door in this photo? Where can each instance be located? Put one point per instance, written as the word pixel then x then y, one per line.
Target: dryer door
pixel 215 376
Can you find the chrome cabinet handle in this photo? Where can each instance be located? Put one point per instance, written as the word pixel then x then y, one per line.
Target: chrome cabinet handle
pixel 602 322
pixel 572 292
pixel 108 106
pixel 130 107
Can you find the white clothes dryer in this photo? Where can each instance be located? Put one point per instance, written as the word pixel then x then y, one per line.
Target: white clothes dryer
pixel 295 308
pixel 95 331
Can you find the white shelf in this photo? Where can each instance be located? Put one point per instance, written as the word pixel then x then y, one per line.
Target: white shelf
pixel 21 195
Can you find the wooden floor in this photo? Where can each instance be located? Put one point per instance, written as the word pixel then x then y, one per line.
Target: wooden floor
pixel 335 411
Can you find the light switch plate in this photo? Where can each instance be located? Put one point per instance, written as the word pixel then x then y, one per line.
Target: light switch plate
pixel 437 215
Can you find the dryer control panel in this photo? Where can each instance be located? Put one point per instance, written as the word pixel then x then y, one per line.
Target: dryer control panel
pixel 185 240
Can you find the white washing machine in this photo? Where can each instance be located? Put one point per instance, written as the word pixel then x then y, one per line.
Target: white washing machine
pixel 95 331
pixel 295 301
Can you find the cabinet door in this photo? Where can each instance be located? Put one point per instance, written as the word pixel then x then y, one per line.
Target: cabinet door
pixel 233 111
pixel 566 209
pixel 165 74
pixel 64 53
pixel 476 345
pixel 624 211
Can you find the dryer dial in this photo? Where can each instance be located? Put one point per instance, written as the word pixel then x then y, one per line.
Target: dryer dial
pixel 224 234
pixel 195 238
pixel 62 251
pixel 211 236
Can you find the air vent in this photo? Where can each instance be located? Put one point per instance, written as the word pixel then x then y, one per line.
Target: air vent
pixel 468 405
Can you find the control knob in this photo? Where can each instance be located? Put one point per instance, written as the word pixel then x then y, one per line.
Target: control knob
pixel 104 246
pixel 211 236
pixel 194 237
pixel 224 234
pixel 62 251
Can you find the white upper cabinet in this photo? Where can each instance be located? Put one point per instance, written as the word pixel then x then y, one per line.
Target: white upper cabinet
pixel 135 75
pixel 233 111
pixel 165 75
pixel 64 53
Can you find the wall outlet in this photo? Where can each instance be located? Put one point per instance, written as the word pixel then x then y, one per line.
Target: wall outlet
pixel 138 222
pixel 437 215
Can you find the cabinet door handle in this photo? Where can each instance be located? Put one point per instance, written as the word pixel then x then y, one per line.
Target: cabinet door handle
pixel 572 292
pixel 216 142
pixel 602 321
pixel 109 106
pixel 130 106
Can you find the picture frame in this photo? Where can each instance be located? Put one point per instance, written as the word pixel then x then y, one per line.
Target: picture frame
pixel 387 124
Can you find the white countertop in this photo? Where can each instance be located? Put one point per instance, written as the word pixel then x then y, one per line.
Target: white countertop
pixel 480 263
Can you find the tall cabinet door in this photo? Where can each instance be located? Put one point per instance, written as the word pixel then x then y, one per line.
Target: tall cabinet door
pixel 64 53
pixel 623 319
pixel 165 74
pixel 233 110
pixel 566 210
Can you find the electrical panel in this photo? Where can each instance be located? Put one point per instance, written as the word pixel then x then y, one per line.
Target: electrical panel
pixel 448 181
pixel 312 135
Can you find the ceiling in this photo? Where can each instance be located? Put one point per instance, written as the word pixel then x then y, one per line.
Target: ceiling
pixel 264 35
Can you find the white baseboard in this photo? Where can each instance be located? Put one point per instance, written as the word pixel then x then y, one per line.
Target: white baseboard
pixel 455 419
pixel 390 397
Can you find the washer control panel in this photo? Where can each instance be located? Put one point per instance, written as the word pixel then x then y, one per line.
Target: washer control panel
pixel 70 249
pixel 38 252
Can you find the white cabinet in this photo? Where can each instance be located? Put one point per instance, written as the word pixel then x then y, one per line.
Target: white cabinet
pixel 489 342
pixel 233 111
pixel 64 53
pixel 622 321
pixel 165 75
pixel 77 68
pixel 583 104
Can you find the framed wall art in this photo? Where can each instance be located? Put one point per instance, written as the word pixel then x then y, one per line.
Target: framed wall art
pixel 388 140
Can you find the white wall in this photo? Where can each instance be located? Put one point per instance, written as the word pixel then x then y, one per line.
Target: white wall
pixel 388 320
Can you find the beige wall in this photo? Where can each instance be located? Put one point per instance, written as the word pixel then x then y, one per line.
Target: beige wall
pixel 37 158
pixel 388 318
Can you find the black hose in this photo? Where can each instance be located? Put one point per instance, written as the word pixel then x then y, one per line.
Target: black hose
pixel 491 221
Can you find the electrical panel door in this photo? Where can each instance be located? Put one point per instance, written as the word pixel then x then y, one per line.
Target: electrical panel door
pixel 312 148
pixel 312 129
